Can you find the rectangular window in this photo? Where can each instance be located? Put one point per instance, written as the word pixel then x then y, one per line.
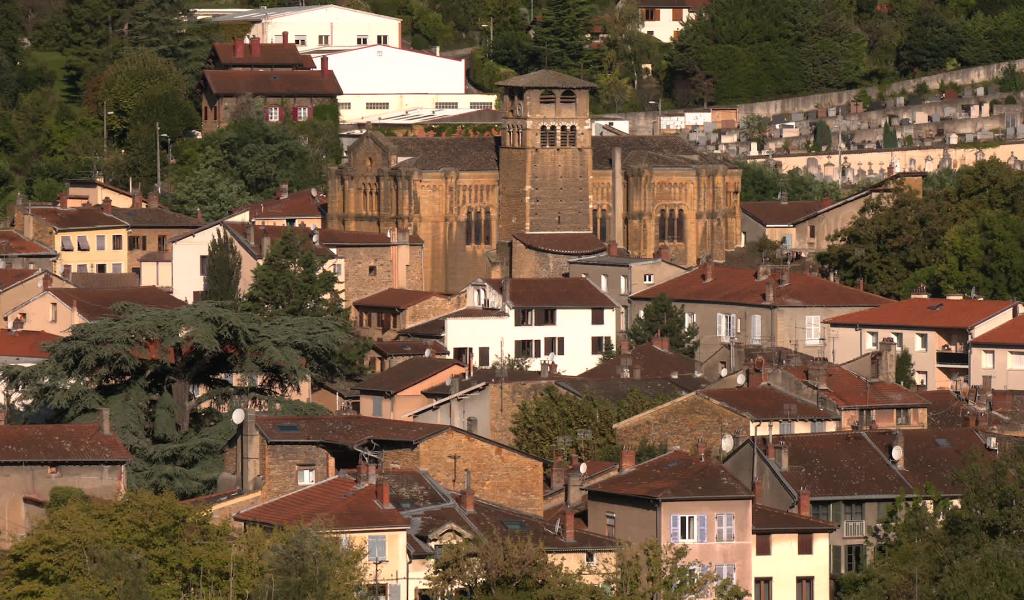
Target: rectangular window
pixel 101 268
pixel 136 242
pixel 547 316
pixel 598 344
pixel 724 572
pixel 727 326
pixel 116 268
pixel 161 243
pixel 898 338
pixel 609 524
pixel 378 406
pixel 812 330
pixel 921 378
pixel 725 527
pixel 988 359
pixel 817 426
pixel 853 511
pixel 650 14
pixel 101 242
pixel 524 348
pixel 550 345
pixel 361 40
pixel 65 244
pixel 203 261
pixel 273 114
pixel 812 232
pixel 871 340
pixel 118 243
pixel 307 475
pixel 323 40
pixel 445 105
pixel 300 40
pixel 382 40
pixel 484 354
pixel 854 558
pixel 688 528
pixel 597 316
pixel 83 268
pixel 804 588
pixel 524 317
pixel 903 416
pixel 604 283
pixel 764 544
pixel 787 428
pixel 480 106
pixel 376 548
pixel 461 355
pixel 921 342
pixel 377 105
pixel 864 417
pixel 755 329
pixel 301 113
pixel 53 312
pixel 805 543
pixel 344 106
pixel 623 287
pixel 762 588
pixel 1015 361
pixel 83 242
pixel 677 14
pixel 821 511
pixel 648 278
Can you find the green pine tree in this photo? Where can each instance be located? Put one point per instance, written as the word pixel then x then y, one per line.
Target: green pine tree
pixel 292 279
pixel 661 316
pixel 822 136
pixel 560 35
pixel 905 370
pixel 889 136
pixel 223 270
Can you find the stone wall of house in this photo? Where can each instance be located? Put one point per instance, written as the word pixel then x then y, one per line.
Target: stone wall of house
pixel 505 399
pixel 432 308
pixel 527 262
pixel 367 270
pixel 682 423
pixel 279 464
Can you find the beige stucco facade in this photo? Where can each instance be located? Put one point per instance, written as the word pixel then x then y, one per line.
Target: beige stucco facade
pixel 45 312
pixel 186 256
pixel 107 250
pixel 785 564
pixel 408 400
pixel 91 193
pixel 25 290
pixel 158 273
pixel 395 571
pixel 1000 363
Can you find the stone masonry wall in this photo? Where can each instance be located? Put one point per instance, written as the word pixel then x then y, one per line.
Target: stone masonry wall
pixel 682 423
pixel 279 465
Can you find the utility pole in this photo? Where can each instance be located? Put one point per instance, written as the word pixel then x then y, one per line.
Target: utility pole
pixel 104 129
pixel 158 190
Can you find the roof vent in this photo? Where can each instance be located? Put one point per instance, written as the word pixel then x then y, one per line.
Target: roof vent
pixel 935 306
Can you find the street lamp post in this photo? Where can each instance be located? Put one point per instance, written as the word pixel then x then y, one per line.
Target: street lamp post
pixel 657 130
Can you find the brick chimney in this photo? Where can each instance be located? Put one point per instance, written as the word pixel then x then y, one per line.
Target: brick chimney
pixel 254 46
pixel 804 503
pixel 137 199
pixel 860 283
pixel 3 416
pixel 573 486
pixel 817 371
pixel 239 44
pixel 284 37
pixel 362 473
pixel 153 200
pixel 709 270
pixel 324 70
pixel 758 491
pixel 105 421
pixel 384 494
pixel 660 342
pixel 62 200
pixel 613 248
pixel 570 524
pixel 887 354
pixel 467 499
pixel 627 459
pixel 47 280
pixel 107 204
pixel 558 474
pixel 783 456
pixel 770 450
pixel 371 474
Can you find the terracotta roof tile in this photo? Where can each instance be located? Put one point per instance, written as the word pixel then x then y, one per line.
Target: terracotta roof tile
pixel 336 504
pixel 644 151
pixel 849 390
pixel 271 55
pixel 164 256
pixel 782 213
pixel 546 78
pixel 344 430
pixel 409 348
pixel 552 292
pixel 98 303
pixel 766 519
pixel 271 234
pixel 618 390
pixel 13 243
pixel 945 409
pixel 654 363
pixel 435 327
pixel 406 374
pixel 1010 333
pixel 104 280
pixel 83 443
pixel 572 243
pixel 767 402
pixel 155 217
pixel 926 313
pixel 85 217
pixel 933 457
pixel 302 203
pixel 674 476
pixel 730 285
pixel 21 343
pixel 9 277
pixel 272 83
pixel 436 153
pixel 397 298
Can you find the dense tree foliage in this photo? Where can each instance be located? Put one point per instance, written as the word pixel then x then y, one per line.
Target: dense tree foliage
pixel 965 234
pixel 166 377
pixel 761 182
pixel 223 270
pixel 550 424
pixel 148 546
pixel 292 280
pixel 662 317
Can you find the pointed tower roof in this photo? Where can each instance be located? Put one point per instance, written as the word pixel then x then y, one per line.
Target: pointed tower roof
pixel 546 78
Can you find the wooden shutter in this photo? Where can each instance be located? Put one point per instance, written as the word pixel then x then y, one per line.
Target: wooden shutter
pixel 805 543
pixel 720 323
pixel 764 544
pixel 674 532
pixel 702 528
pixel 837 560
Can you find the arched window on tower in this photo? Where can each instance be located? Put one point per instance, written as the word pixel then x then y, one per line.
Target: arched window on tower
pixel 565 136
pixel 572 136
pixel 603 232
pixel 662 225
pixel 680 226
pixel 478 234
pixel 487 227
pixel 672 225
pixel 469 227
pixel 547 97
pixel 567 97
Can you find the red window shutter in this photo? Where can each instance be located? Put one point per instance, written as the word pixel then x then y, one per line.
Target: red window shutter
pixel 657 14
pixel 295 113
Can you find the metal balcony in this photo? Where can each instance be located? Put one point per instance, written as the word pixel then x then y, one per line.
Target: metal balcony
pixel 854 529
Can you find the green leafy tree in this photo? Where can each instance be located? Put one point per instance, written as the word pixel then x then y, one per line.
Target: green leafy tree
pixel 822 136
pixel 292 279
pixel 560 35
pixel 662 317
pixel 223 270
pixel 905 370
pixel 649 570
pixel 889 139
pixel 162 373
pixel 754 128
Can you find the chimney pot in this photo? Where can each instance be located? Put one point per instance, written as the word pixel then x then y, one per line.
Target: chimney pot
pixel 324 70
pixel 804 505
pixel 627 459
pixel 284 37
pixel 105 421
pixel 384 493
pixel 570 523
pixel 239 47
pixel 254 47
pixel 107 205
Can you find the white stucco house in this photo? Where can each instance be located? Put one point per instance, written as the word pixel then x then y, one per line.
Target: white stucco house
pixel 663 19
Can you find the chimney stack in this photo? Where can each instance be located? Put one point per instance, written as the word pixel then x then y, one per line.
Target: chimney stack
pixel 250 234
pixel 467 500
pixel 783 456
pixel 764 271
pixel 108 204
pixel 758 491
pixel 660 342
pixel 239 47
pixel 47 280
pixel 709 270
pixel 887 354
pixel 371 474
pixel 362 473
pixel 199 214
pixel 627 459
pixel 784 277
pixel 902 462
pixel 573 486
pixel 284 37
pixel 860 283
pixel 137 199
pixel 254 46
pixel 153 201
pixel 324 71
pixel 804 504
pixel 770 449
pixel 769 292
pixel 384 493
pixel 105 421
pixel 570 524
pixel 62 200
pixel 613 248
pixel 817 371
pixel 282 191
pixel 558 474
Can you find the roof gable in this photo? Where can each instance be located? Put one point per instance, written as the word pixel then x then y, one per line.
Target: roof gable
pixel 675 476
pixel 926 313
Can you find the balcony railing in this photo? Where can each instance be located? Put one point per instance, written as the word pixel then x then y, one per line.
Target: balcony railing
pixel 950 358
pixel 853 529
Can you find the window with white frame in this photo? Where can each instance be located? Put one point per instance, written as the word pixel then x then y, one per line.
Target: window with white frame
pixel 921 342
pixel 755 329
pixel 871 340
pixel 787 428
pixel 300 40
pixel 377 105
pixel 273 114
pixel 648 278
pixel 101 242
pixel 690 318
pixel 623 286
pixel 724 572
pixel 480 105
pixel 361 40
pixel 382 40
pixel 812 330
pixel 604 283
pixel 727 326
pixel 323 40
pixel 376 548
pixel 898 338
pixel 988 359
pixel 301 113
pixel 921 378
pixel 1015 361
pixel 445 105
pixel 688 528
pixel 306 475
pixel 725 527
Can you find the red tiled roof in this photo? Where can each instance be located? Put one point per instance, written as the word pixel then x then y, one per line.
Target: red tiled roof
pixel 1010 333
pixel 945 409
pixel 85 217
pixel 13 243
pixel 654 363
pixel 406 374
pixel 97 303
pixel 768 402
pixel 9 277
pixel 766 519
pixel 338 237
pixel 397 298
pixel 552 292
pixel 932 457
pixel 83 443
pixel 157 217
pixel 849 390
pixel 270 234
pixel 575 244
pixel 926 313
pixel 674 476
pixel 409 348
pixel 104 280
pixel 272 83
pixel 344 430
pixel 782 213
pixel 731 285
pixel 333 504
pixel 25 344
pixel 435 327
pixel 271 55
pixel 302 203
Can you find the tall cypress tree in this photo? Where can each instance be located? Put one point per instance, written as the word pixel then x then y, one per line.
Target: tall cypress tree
pixel 223 270
pixel 560 36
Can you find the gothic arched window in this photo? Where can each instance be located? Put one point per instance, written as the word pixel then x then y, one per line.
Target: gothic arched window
pixel 547 97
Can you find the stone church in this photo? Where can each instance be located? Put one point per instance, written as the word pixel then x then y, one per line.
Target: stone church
pixel 545 191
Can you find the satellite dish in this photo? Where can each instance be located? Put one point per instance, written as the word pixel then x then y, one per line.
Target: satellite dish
pixel 897 453
pixel 427 353
pixel 741 379
pixel 583 468
pixel 237 416
pixel 551 357
pixel 723 372
pixel 727 443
